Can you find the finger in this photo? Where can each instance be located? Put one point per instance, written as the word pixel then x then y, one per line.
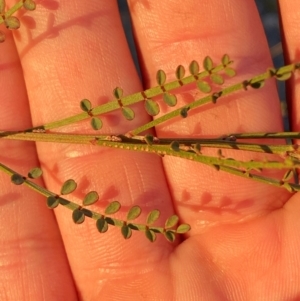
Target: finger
pixel 172 33
pixel 87 58
pixel 290 30
pixel 29 234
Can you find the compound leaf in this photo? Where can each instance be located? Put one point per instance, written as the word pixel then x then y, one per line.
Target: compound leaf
pixel 17 179
pixel 29 5
pixel 172 221
pixel 288 175
pixel 194 68
pixel 230 72
pixel 68 187
pixel 126 231
pixel 161 77
pixel 217 78
pixel 102 225
pixel 208 64
pixel 149 139
pixel 91 198
pixel 180 72
pixel 12 22
pixel 78 216
pixel 284 76
pixel 175 146
pixel 128 113
pixel 204 86
pixel 35 173
pixel 150 235
pixel 52 202
pixel 184 112
pixel 153 216
pixel 225 59
pixel 118 92
pixel 170 99
pixel 85 105
pixel 133 213
pixel 151 107
pixel 183 228
pixel 257 85
pixel 96 123
pixel 63 201
pixel 113 207
pixel 170 236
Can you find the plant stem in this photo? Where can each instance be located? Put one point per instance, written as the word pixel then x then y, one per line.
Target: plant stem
pixel 259 79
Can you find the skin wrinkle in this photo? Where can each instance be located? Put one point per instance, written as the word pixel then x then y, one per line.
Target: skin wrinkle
pixel 201 258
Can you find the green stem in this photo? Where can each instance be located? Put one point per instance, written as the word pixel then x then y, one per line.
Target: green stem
pixel 215 96
pixel 129 100
pixel 208 160
pixel 11 11
pixel 140 140
pixel 72 206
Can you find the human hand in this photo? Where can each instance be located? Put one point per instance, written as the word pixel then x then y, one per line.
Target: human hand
pixel 244 240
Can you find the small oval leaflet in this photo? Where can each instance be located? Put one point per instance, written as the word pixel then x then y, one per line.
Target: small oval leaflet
pixel 161 77
pixel 204 86
pixel 91 198
pixel 102 225
pixel 170 99
pixel 35 173
pixel 217 78
pixel 85 105
pixel 118 92
pixel 110 221
pixel 63 201
pixel 68 187
pixel 17 179
pixel 12 22
pixel 150 235
pixel 52 202
pixel 284 76
pixel 184 112
pixel 126 231
pixel 257 85
pixel 29 5
pixel 230 72
pixel 133 213
pixel 149 139
pixel 113 207
pixel 78 216
pixel 225 59
pixel 172 221
pixel 96 123
pixel 151 107
pixel 128 113
pixel 197 148
pixel 180 72
pixel 183 228
pixel 170 236
pixel 288 175
pixel 87 212
pixel 175 146
pixel 152 216
pixel 208 64
pixel 194 68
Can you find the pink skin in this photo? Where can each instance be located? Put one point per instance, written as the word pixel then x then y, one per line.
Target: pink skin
pixel 244 243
